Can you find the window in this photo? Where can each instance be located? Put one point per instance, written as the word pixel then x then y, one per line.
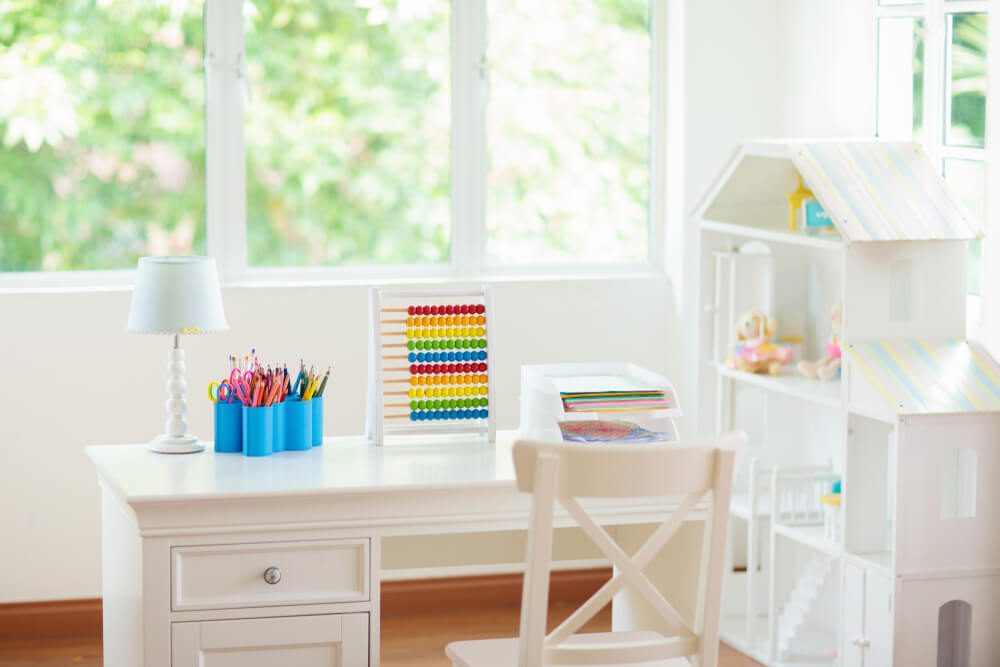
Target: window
pixel 292 138
pixel 568 131
pixel 102 157
pixel 932 86
pixel 347 132
pixel 958 483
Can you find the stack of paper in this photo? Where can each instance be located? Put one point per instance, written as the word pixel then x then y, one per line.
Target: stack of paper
pixel 597 430
pixel 608 393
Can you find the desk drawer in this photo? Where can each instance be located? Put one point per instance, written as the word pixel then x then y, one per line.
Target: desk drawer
pixel 300 641
pixel 268 574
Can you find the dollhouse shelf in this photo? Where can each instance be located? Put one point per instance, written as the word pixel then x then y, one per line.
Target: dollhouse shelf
pixel 813 646
pixel 881 560
pixel 809 536
pixel 739 506
pixel 910 429
pixel 812 641
pixel 775 234
pixel 733 631
pixel 796 386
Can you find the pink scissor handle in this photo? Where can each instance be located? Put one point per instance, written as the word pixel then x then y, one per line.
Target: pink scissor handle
pixel 238 381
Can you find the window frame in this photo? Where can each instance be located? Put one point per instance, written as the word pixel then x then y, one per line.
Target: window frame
pixel 226 98
pixel 936 101
pixel 936 70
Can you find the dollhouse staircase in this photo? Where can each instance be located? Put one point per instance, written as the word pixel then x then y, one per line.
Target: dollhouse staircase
pixel 800 601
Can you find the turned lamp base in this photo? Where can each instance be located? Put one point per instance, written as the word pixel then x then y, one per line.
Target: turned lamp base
pixel 175 439
pixel 171 444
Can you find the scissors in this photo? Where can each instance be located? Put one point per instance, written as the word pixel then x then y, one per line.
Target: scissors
pixel 219 392
pixel 239 384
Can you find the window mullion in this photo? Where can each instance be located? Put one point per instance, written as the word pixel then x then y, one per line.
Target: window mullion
pixel 665 166
pixel 934 84
pixel 469 79
pixel 225 161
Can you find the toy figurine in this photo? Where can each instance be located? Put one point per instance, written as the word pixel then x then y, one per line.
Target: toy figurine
pixel 754 352
pixel 828 367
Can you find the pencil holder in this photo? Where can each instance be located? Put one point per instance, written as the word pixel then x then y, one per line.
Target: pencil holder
pixel 317 420
pixel 258 431
pixel 279 427
pixel 228 427
pixel 298 424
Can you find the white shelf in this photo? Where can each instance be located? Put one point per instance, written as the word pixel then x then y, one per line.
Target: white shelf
pixel 813 646
pixel 796 386
pixel 542 407
pixel 739 506
pixel 881 560
pixel 733 631
pixel 776 235
pixel 810 536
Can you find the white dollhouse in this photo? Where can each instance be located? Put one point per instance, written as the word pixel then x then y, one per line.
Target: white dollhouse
pixel 906 569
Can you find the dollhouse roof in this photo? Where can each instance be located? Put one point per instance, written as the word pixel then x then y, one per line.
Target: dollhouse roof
pixel 929 377
pixel 872 190
pixel 883 191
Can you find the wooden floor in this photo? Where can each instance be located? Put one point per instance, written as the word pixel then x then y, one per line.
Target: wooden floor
pixel 407 641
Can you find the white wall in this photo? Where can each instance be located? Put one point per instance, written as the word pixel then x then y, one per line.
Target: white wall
pixel 765 69
pixel 758 69
pixel 753 68
pixel 74 377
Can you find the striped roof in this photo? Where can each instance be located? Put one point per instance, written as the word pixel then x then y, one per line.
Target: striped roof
pixel 929 377
pixel 883 191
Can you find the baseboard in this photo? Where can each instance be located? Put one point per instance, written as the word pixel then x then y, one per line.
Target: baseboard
pixel 54 618
pixel 490 591
pixel 63 618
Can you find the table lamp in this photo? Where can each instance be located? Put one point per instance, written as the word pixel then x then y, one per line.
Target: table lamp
pixel 176 295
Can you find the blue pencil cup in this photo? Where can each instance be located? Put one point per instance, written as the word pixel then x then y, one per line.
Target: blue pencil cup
pixel 279 427
pixel 298 424
pixel 317 421
pixel 228 427
pixel 258 431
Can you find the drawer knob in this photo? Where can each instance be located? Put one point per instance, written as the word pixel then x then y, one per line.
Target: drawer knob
pixel 272 575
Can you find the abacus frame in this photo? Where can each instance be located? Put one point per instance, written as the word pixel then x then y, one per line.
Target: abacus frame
pixel 376 428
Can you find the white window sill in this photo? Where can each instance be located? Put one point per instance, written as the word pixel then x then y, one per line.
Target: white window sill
pixel 122 280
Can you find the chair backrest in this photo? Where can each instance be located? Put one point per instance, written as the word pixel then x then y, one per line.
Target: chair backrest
pixel 690 472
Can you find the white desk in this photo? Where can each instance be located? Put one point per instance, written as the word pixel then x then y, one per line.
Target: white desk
pixel 187 540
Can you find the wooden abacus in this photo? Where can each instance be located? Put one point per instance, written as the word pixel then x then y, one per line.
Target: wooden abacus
pixel 428 363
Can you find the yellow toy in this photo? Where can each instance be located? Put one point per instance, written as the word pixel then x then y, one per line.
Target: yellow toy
pixel 795 200
pixel 754 352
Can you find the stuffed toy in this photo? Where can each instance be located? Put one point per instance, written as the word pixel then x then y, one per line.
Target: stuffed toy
pixel 828 367
pixel 754 352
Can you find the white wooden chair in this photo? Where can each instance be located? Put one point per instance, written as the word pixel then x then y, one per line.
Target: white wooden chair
pixel 565 472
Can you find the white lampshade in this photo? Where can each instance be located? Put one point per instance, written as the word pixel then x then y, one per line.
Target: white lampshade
pixel 176 295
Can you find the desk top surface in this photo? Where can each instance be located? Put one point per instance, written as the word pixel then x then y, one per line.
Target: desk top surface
pixel 340 466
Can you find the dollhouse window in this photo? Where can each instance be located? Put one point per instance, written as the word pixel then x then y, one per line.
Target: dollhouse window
pixel 954 634
pixel 958 484
pixel 899 290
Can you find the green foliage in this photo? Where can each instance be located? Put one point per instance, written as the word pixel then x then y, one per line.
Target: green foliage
pixel 101 119
pixel 568 127
pixel 347 133
pixel 918 76
pixel 968 79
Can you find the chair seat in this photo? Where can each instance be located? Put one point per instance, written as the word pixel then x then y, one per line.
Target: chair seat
pixel 489 652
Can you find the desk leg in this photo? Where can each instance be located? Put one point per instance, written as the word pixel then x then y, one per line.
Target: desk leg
pixel 135 589
pixel 674 572
pixel 375 616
